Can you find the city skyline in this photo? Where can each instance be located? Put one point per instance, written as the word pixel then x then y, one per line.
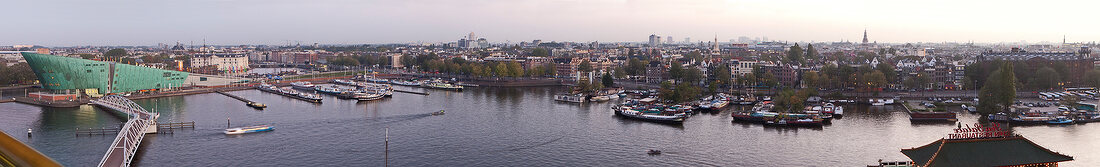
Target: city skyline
pixel 140 23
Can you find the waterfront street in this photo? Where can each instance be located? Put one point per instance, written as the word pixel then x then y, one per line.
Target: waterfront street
pixel 490 127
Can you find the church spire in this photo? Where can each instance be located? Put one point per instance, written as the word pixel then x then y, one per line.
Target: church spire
pixel 864 35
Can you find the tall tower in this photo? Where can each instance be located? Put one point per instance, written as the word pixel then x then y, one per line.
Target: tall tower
pixel 716 51
pixel 864 36
pixel 716 43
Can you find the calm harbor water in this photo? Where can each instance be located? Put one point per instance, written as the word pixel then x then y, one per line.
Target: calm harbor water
pixel 490 127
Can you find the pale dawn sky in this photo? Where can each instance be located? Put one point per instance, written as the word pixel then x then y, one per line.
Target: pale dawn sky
pixel 148 22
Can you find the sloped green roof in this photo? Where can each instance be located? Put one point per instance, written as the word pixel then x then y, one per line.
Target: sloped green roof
pixel 982 152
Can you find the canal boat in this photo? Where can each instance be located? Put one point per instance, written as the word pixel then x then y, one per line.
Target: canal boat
pixel 406 82
pixel 439 84
pixel 365 96
pixel 250 129
pixel 349 82
pixel 1060 120
pixel 256 105
pixel 808 122
pixel 652 115
pixel 757 117
pixel 375 79
pixel 880 102
pixel 302 85
pixel 573 98
pixel 310 97
pixel 466 84
pixel 830 108
pixel 330 89
pixel 600 98
pixel 288 91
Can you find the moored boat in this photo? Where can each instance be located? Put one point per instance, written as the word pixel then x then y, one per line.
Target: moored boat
pixel 439 84
pixel 302 85
pixel 256 105
pixel 405 82
pixel 651 116
pixel 250 129
pixel 574 98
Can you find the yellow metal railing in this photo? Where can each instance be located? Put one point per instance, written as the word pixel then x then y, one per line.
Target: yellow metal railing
pixel 15 153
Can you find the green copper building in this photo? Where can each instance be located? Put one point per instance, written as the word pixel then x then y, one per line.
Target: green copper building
pixel 61 73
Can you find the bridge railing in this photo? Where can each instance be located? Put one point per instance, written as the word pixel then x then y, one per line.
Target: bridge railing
pixel 131 134
pixel 127 141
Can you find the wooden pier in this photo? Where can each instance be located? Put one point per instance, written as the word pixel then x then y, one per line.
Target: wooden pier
pixel 235 97
pixel 176 125
pixel 97 131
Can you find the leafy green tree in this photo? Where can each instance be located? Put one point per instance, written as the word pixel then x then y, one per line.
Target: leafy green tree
pixel 635 67
pixel 790 100
pixel 514 69
pixel 748 79
pixel 811 52
pixel 1092 78
pixel 620 72
pixel 888 71
pixel 712 87
pixel 584 66
pixel 540 52
pixel 686 92
pixel 692 76
pixel 811 80
pixel 501 70
pixel 770 80
pixel 723 75
pixel 87 56
pixel 115 54
pixel 19 73
pixel 794 54
pixel 343 61
pixel 920 81
pixel 875 79
pixel 694 55
pixel 1048 80
pixel 608 81
pixel 676 71
pixel 999 91
pixel 668 91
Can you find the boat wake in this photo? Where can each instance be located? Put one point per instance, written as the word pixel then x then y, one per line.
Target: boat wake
pixel 536 145
pixel 397 118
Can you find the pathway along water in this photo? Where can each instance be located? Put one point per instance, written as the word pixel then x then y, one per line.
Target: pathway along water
pixel 490 127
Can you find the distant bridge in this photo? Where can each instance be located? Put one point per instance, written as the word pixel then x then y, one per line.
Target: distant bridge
pixel 139 123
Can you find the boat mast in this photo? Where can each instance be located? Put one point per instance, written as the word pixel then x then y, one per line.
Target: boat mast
pixel 387 158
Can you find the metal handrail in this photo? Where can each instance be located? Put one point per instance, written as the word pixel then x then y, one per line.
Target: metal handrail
pixel 132 132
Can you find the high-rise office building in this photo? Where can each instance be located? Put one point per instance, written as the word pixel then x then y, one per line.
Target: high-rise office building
pixel 654 40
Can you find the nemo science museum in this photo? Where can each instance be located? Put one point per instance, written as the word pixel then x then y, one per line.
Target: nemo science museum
pixel 60 74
